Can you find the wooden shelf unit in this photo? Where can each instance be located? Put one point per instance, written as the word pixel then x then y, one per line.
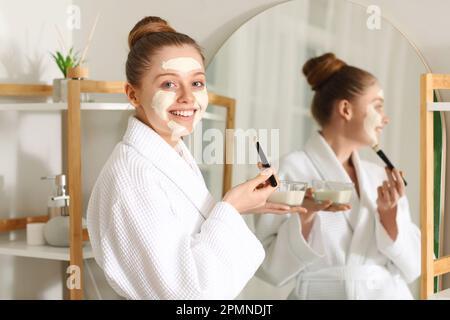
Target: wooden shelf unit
pixel 74 106
pixel 431 267
pixel 73 152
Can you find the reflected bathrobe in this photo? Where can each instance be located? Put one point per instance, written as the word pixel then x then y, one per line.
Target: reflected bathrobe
pixel 156 231
pixel 348 255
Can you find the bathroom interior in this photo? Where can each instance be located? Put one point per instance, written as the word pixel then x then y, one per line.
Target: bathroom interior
pixel 254 53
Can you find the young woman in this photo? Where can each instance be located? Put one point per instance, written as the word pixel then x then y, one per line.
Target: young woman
pixel 155 229
pixel 368 249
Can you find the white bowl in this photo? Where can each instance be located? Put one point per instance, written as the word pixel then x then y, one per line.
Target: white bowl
pixel 289 192
pixel 337 192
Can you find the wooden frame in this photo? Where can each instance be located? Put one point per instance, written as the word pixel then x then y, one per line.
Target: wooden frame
pixel 74 165
pixel 73 145
pixel 230 105
pixel 431 267
pixel 75 88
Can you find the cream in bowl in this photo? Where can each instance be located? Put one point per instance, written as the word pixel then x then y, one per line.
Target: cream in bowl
pixel 337 192
pixel 289 192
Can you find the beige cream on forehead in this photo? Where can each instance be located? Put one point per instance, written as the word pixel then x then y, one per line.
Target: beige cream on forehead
pixel 181 64
pixel 162 100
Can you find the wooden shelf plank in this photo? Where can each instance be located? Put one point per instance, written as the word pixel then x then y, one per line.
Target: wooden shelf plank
pixel 440 81
pixel 102 86
pixel 25 90
pixel 442 265
pixel 20 248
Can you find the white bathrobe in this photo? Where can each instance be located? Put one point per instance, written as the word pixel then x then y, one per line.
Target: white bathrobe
pixel 348 255
pixel 156 231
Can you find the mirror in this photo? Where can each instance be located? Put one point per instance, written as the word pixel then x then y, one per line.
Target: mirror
pixel 260 66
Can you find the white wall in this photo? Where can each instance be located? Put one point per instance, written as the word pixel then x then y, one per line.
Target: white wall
pixel 26 35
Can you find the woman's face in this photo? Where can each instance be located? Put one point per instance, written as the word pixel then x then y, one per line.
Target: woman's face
pixel 367 117
pixel 172 97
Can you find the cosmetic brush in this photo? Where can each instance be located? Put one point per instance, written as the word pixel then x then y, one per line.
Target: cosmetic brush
pixel 385 159
pixel 265 163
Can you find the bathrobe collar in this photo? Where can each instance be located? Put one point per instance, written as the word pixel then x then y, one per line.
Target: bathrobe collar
pixel 329 168
pixel 166 159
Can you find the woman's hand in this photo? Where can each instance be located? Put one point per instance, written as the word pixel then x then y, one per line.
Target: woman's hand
pixel 388 195
pixel 312 207
pixel 277 208
pixel 251 195
pixel 271 207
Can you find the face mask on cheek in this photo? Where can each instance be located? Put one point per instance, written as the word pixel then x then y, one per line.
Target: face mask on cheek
pixel 162 100
pixel 201 103
pixel 372 120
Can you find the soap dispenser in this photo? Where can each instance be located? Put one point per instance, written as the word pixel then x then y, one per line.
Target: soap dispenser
pixel 58 201
pixel 57 229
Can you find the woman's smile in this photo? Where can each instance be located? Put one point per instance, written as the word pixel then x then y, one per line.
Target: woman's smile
pixel 183 114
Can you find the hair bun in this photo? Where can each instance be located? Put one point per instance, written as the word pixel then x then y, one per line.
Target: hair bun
pixel 319 69
pixel 147 26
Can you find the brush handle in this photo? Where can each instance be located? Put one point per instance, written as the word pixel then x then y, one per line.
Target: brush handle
pixel 388 163
pixel 265 164
pixel 272 180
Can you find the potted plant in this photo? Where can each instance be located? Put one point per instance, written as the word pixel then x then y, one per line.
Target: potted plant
pixel 71 66
pixel 64 63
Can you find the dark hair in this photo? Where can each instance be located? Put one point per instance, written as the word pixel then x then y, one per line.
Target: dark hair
pixel 148 36
pixel 332 80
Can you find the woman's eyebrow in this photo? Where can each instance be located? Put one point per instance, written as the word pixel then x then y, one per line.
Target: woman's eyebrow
pixel 166 74
pixel 177 74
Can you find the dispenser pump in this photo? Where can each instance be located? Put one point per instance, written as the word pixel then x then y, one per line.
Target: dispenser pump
pixel 58 202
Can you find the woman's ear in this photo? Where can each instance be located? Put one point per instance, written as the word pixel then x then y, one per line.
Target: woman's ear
pixel 132 95
pixel 345 109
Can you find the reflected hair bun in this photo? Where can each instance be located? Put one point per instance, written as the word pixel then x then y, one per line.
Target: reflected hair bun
pixel 147 26
pixel 320 69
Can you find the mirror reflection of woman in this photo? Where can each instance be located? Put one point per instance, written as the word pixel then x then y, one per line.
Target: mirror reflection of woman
pixel 368 248
pixel 155 229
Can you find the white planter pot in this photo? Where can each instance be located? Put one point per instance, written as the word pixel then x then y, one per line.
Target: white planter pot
pixel 60 90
